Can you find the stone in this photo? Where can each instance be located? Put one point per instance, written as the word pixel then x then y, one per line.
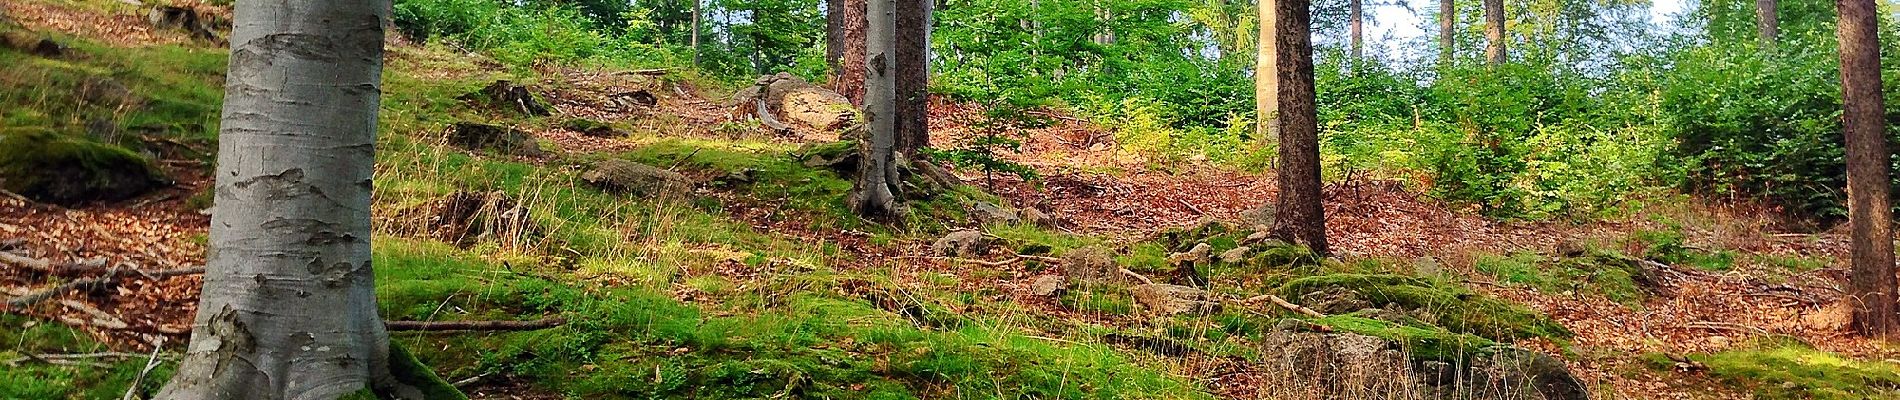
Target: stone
pixel 1235 255
pixel 1167 299
pixel 1261 216
pixel 1512 370
pixel 794 101
pixel 1048 285
pixel 506 95
pixel 1334 301
pixel 1038 218
pixel 636 179
pixel 1571 248
pixel 1091 265
pixel 839 156
pixel 106 92
pixel 1196 255
pixel 505 140
pixel 1258 236
pixel 988 213
pixel 1333 366
pixel 593 128
pixel 635 99
pixel 200 25
pixel 964 243
pixel 1427 266
pixel 69 170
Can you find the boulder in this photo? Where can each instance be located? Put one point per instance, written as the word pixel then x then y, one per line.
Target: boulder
pixel 1197 255
pixel 964 243
pixel 632 178
pixel 69 170
pixel 792 100
pixel 103 91
pixel 1092 264
pixel 635 99
pixel 1048 285
pixel 202 26
pixel 989 213
pixel 1235 255
pixel 1510 370
pixel 593 128
pixel 1334 366
pixel 841 156
pixel 505 95
pixel 1261 216
pixel 1334 301
pixel 1167 299
pixel 505 140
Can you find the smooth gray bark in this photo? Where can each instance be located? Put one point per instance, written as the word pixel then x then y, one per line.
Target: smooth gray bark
pixel 288 309
pixel 875 195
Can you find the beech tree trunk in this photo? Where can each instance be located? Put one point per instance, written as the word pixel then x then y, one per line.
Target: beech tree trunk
pixel 875 194
pixel 1357 19
pixel 1299 218
pixel 854 64
pixel 913 75
pixel 288 309
pixel 1863 122
pixel 1266 82
pixel 1447 29
pixel 1494 50
pixel 1767 19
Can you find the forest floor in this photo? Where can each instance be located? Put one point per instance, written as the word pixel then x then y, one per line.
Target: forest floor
pixel 1735 282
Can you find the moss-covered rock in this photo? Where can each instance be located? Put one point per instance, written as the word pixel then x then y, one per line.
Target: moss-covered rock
pixel 1782 368
pixel 622 176
pixel 1454 308
pixel 69 170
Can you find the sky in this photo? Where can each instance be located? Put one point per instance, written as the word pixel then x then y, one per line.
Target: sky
pixel 1404 26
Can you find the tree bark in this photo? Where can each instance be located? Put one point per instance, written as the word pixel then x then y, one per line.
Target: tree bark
pixel 696 17
pixel 834 38
pixel 875 194
pixel 1357 19
pixel 1494 50
pixel 288 309
pixel 853 65
pixel 1863 122
pixel 1300 218
pixel 1266 81
pixel 913 75
pixel 1768 21
pixel 1447 29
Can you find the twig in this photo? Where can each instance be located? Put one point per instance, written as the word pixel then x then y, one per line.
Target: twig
pixel 25 262
pixel 100 318
pixel 1138 277
pixel 655 71
pixel 438 326
pixel 682 160
pixel 993 264
pixel 150 363
pixel 1190 206
pixel 1724 326
pixel 469 381
pixel 1040 258
pixel 49 267
pixel 1286 304
pixel 111 277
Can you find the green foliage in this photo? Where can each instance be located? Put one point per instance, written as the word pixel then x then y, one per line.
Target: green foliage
pixel 996 130
pixel 1669 246
pixel 1600 272
pixel 1788 369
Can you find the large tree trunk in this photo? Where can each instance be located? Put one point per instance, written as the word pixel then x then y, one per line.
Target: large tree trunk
pixel 288 309
pixel 1868 210
pixel 1447 31
pixel 913 75
pixel 1300 217
pixel 834 38
pixel 696 17
pixel 852 68
pixel 1356 15
pixel 1265 81
pixel 1768 21
pixel 875 195
pixel 1494 50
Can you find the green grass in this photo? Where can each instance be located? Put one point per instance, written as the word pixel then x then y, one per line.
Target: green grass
pixel 1786 369
pixel 174 92
pixel 1457 309
pixel 38 380
pixel 1598 272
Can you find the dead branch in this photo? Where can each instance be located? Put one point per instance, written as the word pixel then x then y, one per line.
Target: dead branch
pixel 112 277
pixel 647 72
pixel 1051 260
pixel 765 117
pixel 49 267
pixel 440 326
pixel 1137 276
pixel 993 264
pixel 1286 304
pixel 1724 326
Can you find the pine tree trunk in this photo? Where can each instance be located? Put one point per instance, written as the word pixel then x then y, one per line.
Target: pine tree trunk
pixel 875 194
pixel 834 38
pixel 1266 82
pixel 1356 15
pixel 1869 213
pixel 288 309
pixel 1447 31
pixel 853 66
pixel 913 75
pixel 1494 50
pixel 1300 218
pixel 1768 21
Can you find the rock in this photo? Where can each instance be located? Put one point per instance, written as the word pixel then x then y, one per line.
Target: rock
pixel 464 218
pixel 1334 301
pixel 1048 285
pixel 1169 299
pixel 1261 216
pixel 790 99
pixel 1092 265
pixel 1196 255
pixel 840 156
pixel 69 170
pixel 632 178
pixel 1427 266
pixel 1235 255
pixel 964 243
pixel 505 95
pixel 988 213
pixel 200 25
pixel 593 128
pixel 1571 248
pixel 479 137
pixel 1038 218
pixel 635 99
pixel 1258 236
pixel 1511 370
pixel 1333 366
pixel 106 92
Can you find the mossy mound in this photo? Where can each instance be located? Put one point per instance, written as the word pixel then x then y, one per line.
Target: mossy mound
pixel 1788 369
pixel 1422 342
pixel 68 170
pixel 1607 273
pixel 1454 308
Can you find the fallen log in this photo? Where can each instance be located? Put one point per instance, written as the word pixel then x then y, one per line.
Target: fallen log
pixel 441 326
pixel 111 277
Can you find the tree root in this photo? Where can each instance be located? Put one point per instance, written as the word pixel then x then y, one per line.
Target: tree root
pixel 440 326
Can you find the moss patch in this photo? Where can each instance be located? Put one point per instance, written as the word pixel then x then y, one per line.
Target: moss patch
pixel 1457 309
pixel 64 169
pixel 1785 369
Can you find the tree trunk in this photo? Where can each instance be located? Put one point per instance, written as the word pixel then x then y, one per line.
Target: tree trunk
pixel 875 195
pixel 853 66
pixel 1299 216
pixel 913 75
pixel 1266 82
pixel 288 309
pixel 1768 21
pixel 1863 122
pixel 1447 30
pixel 834 38
pixel 1494 50
pixel 696 16
pixel 1356 15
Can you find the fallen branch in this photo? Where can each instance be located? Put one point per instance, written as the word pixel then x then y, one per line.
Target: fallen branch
pixel 1724 326
pixel 1051 260
pixel 765 117
pixel 49 267
pixel 439 326
pixel 112 277
pixel 994 264
pixel 1286 304
pixel 1138 277
pixel 650 72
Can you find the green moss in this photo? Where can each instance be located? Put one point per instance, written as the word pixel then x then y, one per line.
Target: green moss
pixel 1605 273
pixel 1103 300
pixel 1457 309
pixel 34 380
pixel 1786 369
pixel 413 373
pixel 1670 246
pixel 48 166
pixel 1422 342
